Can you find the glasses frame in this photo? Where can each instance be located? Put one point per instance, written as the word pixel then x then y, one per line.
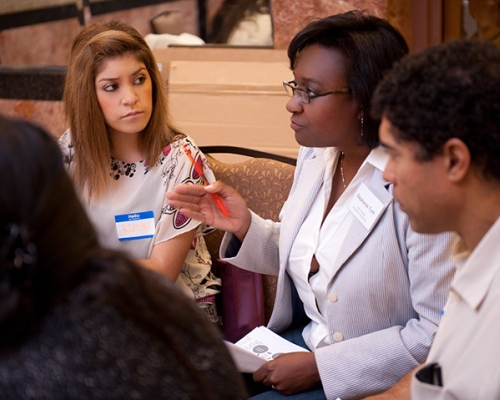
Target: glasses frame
pixel 304 96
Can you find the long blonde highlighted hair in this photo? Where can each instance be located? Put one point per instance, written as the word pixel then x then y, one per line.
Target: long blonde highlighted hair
pixel 92 144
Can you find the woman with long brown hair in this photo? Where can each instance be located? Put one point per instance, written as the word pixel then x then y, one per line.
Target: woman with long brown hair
pixel 124 153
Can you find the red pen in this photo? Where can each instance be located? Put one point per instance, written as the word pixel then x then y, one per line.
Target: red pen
pixel 198 169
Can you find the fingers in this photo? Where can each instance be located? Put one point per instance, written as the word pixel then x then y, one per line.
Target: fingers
pixel 187 190
pixel 267 376
pixel 260 374
pixel 196 215
pixel 183 201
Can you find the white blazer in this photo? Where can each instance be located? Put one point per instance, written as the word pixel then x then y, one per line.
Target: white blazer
pixel 390 285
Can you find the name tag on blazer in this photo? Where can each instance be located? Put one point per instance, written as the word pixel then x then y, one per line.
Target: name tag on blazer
pixel 135 226
pixel 365 206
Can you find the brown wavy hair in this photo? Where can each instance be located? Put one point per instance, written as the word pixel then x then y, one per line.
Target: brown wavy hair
pixel 92 145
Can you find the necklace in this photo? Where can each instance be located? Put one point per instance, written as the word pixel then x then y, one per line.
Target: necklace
pixel 342 168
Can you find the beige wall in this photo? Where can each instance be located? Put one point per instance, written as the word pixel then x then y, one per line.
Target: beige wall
pixel 49 43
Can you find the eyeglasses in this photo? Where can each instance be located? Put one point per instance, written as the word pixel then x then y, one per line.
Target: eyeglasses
pixel 306 96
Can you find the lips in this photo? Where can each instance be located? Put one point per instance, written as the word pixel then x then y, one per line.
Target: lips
pixel 295 126
pixel 132 114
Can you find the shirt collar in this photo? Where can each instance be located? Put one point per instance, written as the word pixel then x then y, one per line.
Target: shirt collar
pixel 476 269
pixel 378 158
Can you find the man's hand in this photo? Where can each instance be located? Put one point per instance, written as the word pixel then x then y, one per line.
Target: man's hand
pixel 400 391
pixel 289 373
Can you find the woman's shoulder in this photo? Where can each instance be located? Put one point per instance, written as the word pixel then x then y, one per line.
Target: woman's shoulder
pixel 65 143
pixel 65 139
pixel 183 139
pixel 179 144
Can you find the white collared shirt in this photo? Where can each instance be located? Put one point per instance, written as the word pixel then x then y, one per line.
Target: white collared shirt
pixel 324 242
pixel 467 345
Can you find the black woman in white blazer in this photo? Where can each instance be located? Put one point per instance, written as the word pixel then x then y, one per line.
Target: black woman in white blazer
pixel 370 288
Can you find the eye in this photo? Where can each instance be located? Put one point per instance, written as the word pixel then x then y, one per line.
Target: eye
pixel 393 154
pixel 311 92
pixel 140 80
pixel 111 87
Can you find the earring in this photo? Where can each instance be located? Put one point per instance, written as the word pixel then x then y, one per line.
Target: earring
pixel 362 126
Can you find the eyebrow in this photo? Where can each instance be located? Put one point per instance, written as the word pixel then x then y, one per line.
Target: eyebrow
pixel 308 81
pixel 115 79
pixel 385 145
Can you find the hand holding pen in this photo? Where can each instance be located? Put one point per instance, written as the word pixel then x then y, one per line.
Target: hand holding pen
pixel 199 169
pixel 199 202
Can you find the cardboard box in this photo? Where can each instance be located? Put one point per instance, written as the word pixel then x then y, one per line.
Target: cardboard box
pixel 216 53
pixel 236 103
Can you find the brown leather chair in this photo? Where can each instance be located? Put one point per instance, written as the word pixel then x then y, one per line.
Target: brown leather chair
pixel 264 180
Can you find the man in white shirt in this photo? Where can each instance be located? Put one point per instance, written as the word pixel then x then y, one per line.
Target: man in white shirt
pixel 440 111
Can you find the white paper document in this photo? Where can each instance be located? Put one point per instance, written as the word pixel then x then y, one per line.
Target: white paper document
pixel 257 347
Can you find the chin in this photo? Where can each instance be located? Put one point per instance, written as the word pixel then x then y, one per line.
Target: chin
pixel 417 228
pixel 422 227
pixel 298 139
pixel 304 140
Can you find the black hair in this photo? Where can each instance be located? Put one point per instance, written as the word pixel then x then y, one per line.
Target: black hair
pixel 48 246
pixel 45 236
pixel 446 91
pixel 369 45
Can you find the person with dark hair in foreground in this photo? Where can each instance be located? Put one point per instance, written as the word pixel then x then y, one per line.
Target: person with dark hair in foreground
pixel 440 112
pixel 78 321
pixel 368 288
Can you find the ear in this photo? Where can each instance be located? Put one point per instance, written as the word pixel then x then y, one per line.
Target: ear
pixel 457 159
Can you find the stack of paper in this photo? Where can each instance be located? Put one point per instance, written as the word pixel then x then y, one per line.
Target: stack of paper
pixel 258 347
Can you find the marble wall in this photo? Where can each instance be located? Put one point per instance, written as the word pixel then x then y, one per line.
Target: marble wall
pixel 289 17
pixel 49 43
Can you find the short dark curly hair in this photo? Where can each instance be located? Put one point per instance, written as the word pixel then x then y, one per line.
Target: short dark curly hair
pixel 369 45
pixel 446 91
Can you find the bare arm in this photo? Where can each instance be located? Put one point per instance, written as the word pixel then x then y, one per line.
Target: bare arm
pixel 168 257
pixel 400 391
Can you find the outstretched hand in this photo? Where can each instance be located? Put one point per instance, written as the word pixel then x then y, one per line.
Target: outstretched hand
pixel 289 373
pixel 197 202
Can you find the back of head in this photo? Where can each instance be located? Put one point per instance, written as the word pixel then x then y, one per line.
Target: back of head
pixel 45 236
pixel 369 45
pixel 447 91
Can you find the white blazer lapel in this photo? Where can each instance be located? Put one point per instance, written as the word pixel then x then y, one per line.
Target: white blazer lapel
pixel 357 232
pixel 298 204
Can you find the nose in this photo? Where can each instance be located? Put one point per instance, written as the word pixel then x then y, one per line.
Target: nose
pixel 293 105
pixel 130 96
pixel 389 174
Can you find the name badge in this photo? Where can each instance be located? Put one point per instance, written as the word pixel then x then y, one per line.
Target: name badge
pixel 365 206
pixel 135 226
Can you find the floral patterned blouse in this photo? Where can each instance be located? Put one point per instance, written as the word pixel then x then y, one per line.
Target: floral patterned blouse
pixel 138 187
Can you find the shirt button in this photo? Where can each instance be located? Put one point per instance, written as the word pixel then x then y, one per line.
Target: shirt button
pixel 338 337
pixel 333 297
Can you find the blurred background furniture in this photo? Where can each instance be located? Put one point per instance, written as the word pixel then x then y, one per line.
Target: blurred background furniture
pixel 264 180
